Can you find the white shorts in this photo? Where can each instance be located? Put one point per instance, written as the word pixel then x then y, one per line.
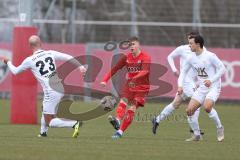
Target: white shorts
pixel 203 93
pixel 188 90
pixel 50 102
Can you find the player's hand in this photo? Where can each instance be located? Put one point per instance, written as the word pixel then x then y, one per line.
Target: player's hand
pixel 180 91
pixel 4 59
pixel 176 73
pixel 83 69
pixel 103 84
pixel 207 83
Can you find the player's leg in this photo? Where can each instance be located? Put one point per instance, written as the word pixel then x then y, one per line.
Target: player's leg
pixel 62 123
pixel 120 112
pixel 44 127
pixel 209 102
pixel 193 105
pixel 138 101
pixel 50 106
pixel 126 97
pixel 52 121
pixel 188 89
pixel 126 121
pixel 121 109
pixel 196 116
pixel 166 112
pixel 212 113
pixel 66 123
pixel 169 108
pixel 46 117
pixel 195 102
pixel 50 110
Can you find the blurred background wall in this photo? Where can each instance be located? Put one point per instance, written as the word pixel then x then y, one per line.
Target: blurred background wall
pixel 157 22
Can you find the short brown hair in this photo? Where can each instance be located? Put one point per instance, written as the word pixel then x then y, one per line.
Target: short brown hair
pixel 198 39
pixel 193 33
pixel 134 38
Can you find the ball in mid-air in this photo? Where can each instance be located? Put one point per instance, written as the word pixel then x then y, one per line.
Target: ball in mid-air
pixel 108 103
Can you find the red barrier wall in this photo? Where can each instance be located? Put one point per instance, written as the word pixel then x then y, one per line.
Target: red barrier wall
pixel 231 58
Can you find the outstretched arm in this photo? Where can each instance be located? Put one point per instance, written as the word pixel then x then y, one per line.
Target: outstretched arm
pixel 67 57
pixel 16 70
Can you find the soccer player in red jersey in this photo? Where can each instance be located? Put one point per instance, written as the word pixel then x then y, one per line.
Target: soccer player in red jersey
pixel 136 88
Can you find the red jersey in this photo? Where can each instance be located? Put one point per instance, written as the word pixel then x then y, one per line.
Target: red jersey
pixel 138 70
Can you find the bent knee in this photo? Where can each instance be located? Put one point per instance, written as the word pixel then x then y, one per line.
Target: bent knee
pixel 177 102
pixel 208 104
pixel 132 108
pixel 176 105
pixel 189 111
pixel 208 109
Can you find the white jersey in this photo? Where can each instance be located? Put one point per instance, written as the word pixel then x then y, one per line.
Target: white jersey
pixel 207 67
pixel 183 52
pixel 43 66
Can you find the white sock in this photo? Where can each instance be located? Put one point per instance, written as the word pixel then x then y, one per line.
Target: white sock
pixel 214 116
pixel 193 123
pixel 165 112
pixel 196 114
pixel 120 132
pixel 60 122
pixel 44 127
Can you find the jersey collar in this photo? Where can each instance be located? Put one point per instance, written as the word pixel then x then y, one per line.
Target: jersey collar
pixel 38 51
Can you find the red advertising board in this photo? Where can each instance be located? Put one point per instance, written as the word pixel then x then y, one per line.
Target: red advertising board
pixel 230 57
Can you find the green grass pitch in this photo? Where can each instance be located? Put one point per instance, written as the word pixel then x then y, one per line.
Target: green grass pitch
pixel 20 142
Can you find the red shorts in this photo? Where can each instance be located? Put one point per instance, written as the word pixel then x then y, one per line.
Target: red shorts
pixel 135 97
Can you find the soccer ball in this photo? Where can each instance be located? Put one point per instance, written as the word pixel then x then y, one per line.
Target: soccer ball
pixel 108 103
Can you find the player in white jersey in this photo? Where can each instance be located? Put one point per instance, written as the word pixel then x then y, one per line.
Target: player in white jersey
pixel 43 66
pixel 209 70
pixel 183 52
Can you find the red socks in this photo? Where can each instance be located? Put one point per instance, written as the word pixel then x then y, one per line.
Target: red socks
pixel 127 120
pixel 120 111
